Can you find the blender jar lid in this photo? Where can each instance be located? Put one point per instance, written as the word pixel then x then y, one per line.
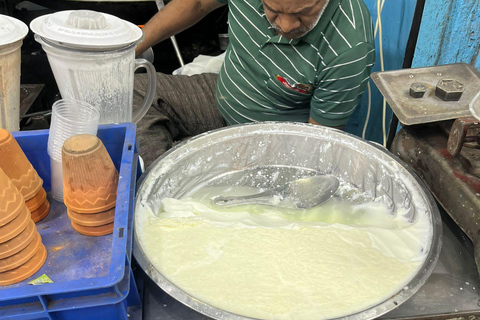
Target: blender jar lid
pixel 86 29
pixel 11 30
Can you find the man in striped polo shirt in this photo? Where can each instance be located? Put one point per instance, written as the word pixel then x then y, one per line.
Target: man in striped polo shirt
pixel 288 60
pixel 317 77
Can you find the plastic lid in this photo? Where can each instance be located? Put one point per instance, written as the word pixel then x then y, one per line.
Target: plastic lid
pixel 85 29
pixel 11 30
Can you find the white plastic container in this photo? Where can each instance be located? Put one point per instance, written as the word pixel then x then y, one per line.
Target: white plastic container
pixel 12 33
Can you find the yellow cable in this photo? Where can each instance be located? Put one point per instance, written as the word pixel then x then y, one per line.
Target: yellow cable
pixel 382 68
pixel 369 106
pixel 376 23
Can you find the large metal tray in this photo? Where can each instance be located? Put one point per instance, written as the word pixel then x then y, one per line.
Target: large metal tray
pixel 204 158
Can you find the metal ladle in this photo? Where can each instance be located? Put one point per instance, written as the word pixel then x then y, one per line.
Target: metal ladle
pixel 302 193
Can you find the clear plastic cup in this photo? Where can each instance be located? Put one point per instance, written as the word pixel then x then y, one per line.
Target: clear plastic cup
pixel 69 118
pixel 57 179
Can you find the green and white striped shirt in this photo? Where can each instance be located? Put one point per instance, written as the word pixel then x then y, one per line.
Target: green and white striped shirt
pixel 336 57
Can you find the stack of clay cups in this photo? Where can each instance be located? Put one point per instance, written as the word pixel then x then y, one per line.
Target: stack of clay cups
pixel 21 250
pixel 17 167
pixel 90 182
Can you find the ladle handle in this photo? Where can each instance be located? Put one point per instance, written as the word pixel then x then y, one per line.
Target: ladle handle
pixel 152 87
pixel 258 198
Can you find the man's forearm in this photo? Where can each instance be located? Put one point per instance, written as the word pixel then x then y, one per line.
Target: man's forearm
pixel 175 17
pixel 315 122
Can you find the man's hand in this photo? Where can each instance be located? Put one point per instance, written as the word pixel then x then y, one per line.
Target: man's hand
pixel 315 122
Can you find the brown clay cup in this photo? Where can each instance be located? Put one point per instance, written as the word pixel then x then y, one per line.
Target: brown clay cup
pixel 21 257
pixel 11 201
pixel 92 219
pixel 93 231
pixel 17 167
pixel 26 270
pixel 18 243
pixel 35 203
pixel 41 212
pixel 38 206
pixel 16 226
pixel 90 178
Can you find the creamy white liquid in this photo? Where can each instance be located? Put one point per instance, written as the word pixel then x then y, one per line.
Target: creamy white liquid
pixel 275 263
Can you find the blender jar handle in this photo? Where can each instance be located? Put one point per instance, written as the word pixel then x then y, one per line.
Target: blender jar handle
pixel 152 87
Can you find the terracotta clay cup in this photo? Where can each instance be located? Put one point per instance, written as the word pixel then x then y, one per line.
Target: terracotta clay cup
pixel 35 203
pixel 41 212
pixel 21 250
pixel 90 178
pixel 16 226
pixel 18 243
pixel 12 202
pixel 21 257
pixel 92 219
pixel 17 167
pixel 26 270
pixel 93 231
pixel 39 206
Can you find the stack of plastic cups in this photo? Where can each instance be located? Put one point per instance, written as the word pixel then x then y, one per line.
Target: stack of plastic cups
pixel 69 118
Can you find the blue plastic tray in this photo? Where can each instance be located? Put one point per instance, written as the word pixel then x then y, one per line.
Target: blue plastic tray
pixel 92 277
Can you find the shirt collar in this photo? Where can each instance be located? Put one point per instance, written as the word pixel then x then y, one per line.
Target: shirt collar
pixel 282 40
pixel 310 37
pixel 315 33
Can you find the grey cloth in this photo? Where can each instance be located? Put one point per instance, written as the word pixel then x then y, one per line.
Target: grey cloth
pixel 184 106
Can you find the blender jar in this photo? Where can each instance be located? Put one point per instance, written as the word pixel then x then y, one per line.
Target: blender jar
pixel 92 56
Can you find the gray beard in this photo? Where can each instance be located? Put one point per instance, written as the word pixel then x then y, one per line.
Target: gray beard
pixel 300 32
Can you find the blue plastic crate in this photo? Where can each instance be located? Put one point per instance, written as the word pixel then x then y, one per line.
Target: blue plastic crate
pixel 92 276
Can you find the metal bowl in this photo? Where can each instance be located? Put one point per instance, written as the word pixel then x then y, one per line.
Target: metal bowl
pixel 222 156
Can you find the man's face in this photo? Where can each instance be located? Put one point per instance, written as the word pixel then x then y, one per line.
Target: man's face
pixel 293 18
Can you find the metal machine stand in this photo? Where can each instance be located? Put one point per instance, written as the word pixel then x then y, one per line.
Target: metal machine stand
pixel 440 139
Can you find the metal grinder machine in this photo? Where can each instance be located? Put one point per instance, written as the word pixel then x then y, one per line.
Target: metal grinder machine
pixel 438 108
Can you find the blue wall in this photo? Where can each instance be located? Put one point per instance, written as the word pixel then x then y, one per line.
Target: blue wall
pixel 396 22
pixel 449 33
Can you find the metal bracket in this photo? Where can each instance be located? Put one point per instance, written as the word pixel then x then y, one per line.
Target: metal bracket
pixel 464 131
